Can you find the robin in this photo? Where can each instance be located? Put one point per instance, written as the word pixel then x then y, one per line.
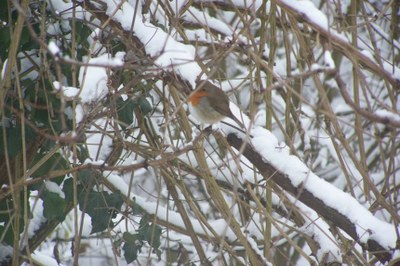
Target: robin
pixel 209 104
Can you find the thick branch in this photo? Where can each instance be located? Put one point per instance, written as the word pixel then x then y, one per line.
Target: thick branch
pixel 306 197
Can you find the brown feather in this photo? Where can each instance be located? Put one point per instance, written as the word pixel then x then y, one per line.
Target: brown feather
pixel 218 99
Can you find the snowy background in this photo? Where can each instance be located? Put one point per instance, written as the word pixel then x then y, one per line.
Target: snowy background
pixel 121 172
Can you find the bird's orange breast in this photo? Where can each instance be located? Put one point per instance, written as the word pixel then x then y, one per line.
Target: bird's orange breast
pixel 195 98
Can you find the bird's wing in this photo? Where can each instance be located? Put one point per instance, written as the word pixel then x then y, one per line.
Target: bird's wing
pixel 221 103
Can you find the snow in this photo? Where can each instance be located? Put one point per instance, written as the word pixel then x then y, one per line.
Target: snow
pixel 308 9
pixel 385 35
pixel 67 91
pixel 64 9
pixel 317 229
pixel 390 68
pixel 160 211
pixel 79 113
pixel 339 106
pixel 367 226
pixel 254 246
pixel 94 79
pixel 168 53
pixel 53 49
pixel 53 29
pixel 198 17
pixel 28 63
pixel 196 35
pixel 91 162
pixel 55 188
pixel 37 214
pixel 41 259
pixel 329 63
pixel 5 252
pixel 219 226
pixel 4 68
pixel 93 90
pixel 387 114
pixel 277 154
pixel 99 144
pixel 252 5
pixel 171 55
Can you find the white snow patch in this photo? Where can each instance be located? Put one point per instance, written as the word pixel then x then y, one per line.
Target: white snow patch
pixel 37 215
pixel 169 54
pixel 308 9
pixel 319 230
pixel 199 17
pixel 93 79
pixel 66 90
pixel 99 144
pixel 4 68
pixel 79 113
pixel 252 5
pixel 329 63
pixel 53 49
pixel 55 188
pixel 5 252
pixel 389 115
pixel 42 259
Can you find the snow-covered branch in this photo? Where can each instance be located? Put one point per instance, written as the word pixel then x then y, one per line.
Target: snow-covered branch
pixel 338 208
pixel 100 150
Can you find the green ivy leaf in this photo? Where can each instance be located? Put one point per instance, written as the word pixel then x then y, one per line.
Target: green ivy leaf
pixel 68 189
pixel 115 200
pixel 26 42
pixel 14 138
pixel 7 216
pixel 133 239
pixel 5 40
pixel 132 246
pixel 94 204
pixel 136 208
pixel 125 112
pixel 82 33
pixel 40 99
pixel 83 153
pixel 7 235
pixel 53 206
pixel 152 234
pixel 143 222
pixel 55 162
pixel 125 109
pixel 134 242
pixel 85 177
pixel 47 145
pixel 130 252
pixel 144 105
pixel 101 207
pixel 4 11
